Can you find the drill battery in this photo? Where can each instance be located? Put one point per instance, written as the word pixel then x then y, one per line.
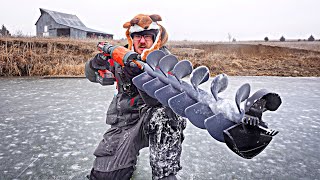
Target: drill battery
pixel 105 77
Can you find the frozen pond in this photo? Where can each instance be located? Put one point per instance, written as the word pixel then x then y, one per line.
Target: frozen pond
pixel 49 129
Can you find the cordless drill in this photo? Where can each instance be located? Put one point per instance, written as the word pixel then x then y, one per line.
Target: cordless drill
pixel 120 55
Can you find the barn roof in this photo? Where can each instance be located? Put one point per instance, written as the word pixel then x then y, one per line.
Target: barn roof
pixel 68 20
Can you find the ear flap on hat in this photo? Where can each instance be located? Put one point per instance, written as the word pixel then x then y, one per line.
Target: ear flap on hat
pixel 155 17
pixel 134 21
pixel 127 25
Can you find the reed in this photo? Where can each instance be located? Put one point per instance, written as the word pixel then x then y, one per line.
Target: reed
pixel 32 56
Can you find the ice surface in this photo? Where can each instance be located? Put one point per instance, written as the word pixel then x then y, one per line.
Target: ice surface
pixel 72 113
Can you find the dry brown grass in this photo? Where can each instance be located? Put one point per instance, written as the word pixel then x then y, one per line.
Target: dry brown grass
pixel 253 59
pixel 56 56
pixel 45 56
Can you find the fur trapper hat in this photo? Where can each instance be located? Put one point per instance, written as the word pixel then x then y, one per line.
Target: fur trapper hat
pixel 143 22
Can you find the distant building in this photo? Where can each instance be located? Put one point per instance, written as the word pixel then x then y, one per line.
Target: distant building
pixel 57 24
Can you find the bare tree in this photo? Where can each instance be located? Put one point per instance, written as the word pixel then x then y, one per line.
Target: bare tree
pixel 311 38
pixel 18 33
pixel 229 37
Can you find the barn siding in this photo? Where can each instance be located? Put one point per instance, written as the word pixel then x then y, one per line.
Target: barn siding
pixel 47 20
pixel 76 33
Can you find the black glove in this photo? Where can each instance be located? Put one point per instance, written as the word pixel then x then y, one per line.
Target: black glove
pixel 131 70
pixel 100 61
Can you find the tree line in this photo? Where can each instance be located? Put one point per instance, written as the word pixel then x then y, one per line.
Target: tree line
pixel 282 39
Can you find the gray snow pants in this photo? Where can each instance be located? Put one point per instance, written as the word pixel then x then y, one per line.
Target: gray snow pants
pixel 159 128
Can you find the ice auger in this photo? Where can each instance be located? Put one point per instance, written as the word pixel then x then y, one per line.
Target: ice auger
pixel 242 129
pixel 239 124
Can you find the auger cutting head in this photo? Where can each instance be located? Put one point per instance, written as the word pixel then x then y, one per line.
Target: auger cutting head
pixel 246 141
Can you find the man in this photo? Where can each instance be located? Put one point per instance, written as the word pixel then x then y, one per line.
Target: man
pixel 137 120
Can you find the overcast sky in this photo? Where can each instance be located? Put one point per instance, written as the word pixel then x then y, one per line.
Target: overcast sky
pixel 205 20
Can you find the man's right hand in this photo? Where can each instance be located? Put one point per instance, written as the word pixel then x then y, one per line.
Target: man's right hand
pixel 100 61
pixel 131 70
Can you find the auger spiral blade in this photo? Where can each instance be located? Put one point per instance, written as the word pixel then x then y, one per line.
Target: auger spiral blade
pixel 218 84
pixel 164 94
pixel 152 86
pixel 216 124
pixel 199 75
pixel 142 78
pixel 197 113
pixel 152 61
pixel 180 102
pixel 166 64
pixel 182 69
pixel 154 57
pixel 242 94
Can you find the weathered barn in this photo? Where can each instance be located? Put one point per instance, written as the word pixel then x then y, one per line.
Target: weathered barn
pixel 57 24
